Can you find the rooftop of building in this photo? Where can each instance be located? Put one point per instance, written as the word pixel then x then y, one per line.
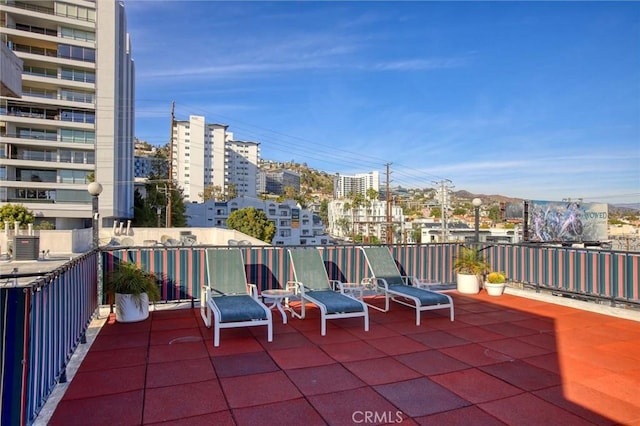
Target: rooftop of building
pixel 523 358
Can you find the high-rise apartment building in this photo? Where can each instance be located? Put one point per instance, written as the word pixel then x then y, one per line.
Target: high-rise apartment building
pixel 275 181
pixel 206 155
pixel 344 185
pixel 75 119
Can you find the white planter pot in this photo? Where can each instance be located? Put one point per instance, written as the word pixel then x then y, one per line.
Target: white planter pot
pixel 468 284
pixel 494 289
pixel 129 310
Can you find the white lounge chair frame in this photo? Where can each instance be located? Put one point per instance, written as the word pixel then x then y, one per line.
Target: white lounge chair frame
pixel 310 280
pixel 387 279
pixel 234 285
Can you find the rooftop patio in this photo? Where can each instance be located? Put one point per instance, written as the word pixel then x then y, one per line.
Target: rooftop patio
pixel 506 360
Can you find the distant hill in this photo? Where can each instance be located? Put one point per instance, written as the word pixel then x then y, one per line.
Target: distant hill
pixel 486 198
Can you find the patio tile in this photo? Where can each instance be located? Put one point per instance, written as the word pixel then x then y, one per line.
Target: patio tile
pixel 379 371
pixel 323 379
pixel 538 323
pixel 96 360
pixel 111 326
pixel 113 341
pixel 167 314
pixel 294 412
pixel 243 364
pixel 336 335
pixel 476 319
pixel 431 362
pixel 168 337
pixel 547 361
pixel 351 351
pixel 523 375
pixel 291 339
pixel 300 357
pixel 508 329
pixel 397 345
pixel 176 323
pixel 186 400
pixel 221 418
pixel 526 409
pixel 477 334
pixel 543 340
pixel 420 397
pixel 376 331
pixel 597 402
pixel 514 348
pixel 619 386
pixel 476 386
pixel 476 355
pixel 179 372
pixel 105 382
pixel 350 406
pixel 258 389
pixel 466 416
pixel 177 351
pixel 233 345
pixel 439 339
pixel 124 406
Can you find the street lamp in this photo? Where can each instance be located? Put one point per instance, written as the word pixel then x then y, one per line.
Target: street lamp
pixel 477 202
pixel 95 189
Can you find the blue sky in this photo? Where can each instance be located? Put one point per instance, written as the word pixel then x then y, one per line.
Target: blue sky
pixel 537 100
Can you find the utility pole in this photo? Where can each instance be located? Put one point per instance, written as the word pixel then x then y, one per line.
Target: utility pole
pixel 169 190
pixel 445 185
pixel 389 218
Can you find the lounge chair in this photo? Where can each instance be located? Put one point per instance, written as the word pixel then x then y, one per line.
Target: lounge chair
pixel 227 296
pixel 312 284
pixel 387 279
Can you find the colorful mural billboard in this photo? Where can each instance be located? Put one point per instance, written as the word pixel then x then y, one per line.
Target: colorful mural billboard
pixel 567 221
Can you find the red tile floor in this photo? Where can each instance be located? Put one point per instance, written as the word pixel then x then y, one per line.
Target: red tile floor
pixel 506 360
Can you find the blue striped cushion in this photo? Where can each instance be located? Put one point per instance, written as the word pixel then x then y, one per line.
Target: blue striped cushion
pixel 239 308
pixel 426 297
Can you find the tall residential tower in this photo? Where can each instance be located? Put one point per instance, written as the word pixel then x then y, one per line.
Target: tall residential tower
pixel 75 119
pixel 206 155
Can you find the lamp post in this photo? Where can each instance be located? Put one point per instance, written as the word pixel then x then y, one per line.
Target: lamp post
pixel 477 202
pixel 95 189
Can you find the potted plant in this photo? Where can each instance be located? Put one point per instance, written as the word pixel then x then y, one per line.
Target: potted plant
pixel 132 288
pixel 469 265
pixel 495 283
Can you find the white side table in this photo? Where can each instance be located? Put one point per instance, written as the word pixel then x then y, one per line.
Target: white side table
pixel 427 283
pixel 275 297
pixel 353 289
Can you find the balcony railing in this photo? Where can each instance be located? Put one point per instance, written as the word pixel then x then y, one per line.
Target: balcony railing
pixel 42 323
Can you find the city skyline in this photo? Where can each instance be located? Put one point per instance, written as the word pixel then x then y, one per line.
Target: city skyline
pixel 533 100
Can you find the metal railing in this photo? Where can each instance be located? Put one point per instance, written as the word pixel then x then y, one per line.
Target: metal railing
pixel 42 323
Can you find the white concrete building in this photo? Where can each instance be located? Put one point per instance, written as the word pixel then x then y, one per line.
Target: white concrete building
pixel 294 225
pixel 343 185
pixel 367 220
pixel 207 155
pixel 76 114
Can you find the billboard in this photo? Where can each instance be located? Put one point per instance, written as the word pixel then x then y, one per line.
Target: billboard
pixel 567 221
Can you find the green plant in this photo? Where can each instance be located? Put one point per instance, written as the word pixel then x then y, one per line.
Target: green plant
pixel 128 278
pixel 496 278
pixel 470 261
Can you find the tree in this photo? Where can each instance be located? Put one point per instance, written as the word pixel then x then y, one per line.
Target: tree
pixel 212 192
pixel 16 213
pixel 324 211
pixel 232 191
pixel 253 222
pixel 436 212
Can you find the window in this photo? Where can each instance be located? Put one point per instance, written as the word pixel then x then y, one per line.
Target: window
pixel 77 136
pixel 76 52
pixel 77 75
